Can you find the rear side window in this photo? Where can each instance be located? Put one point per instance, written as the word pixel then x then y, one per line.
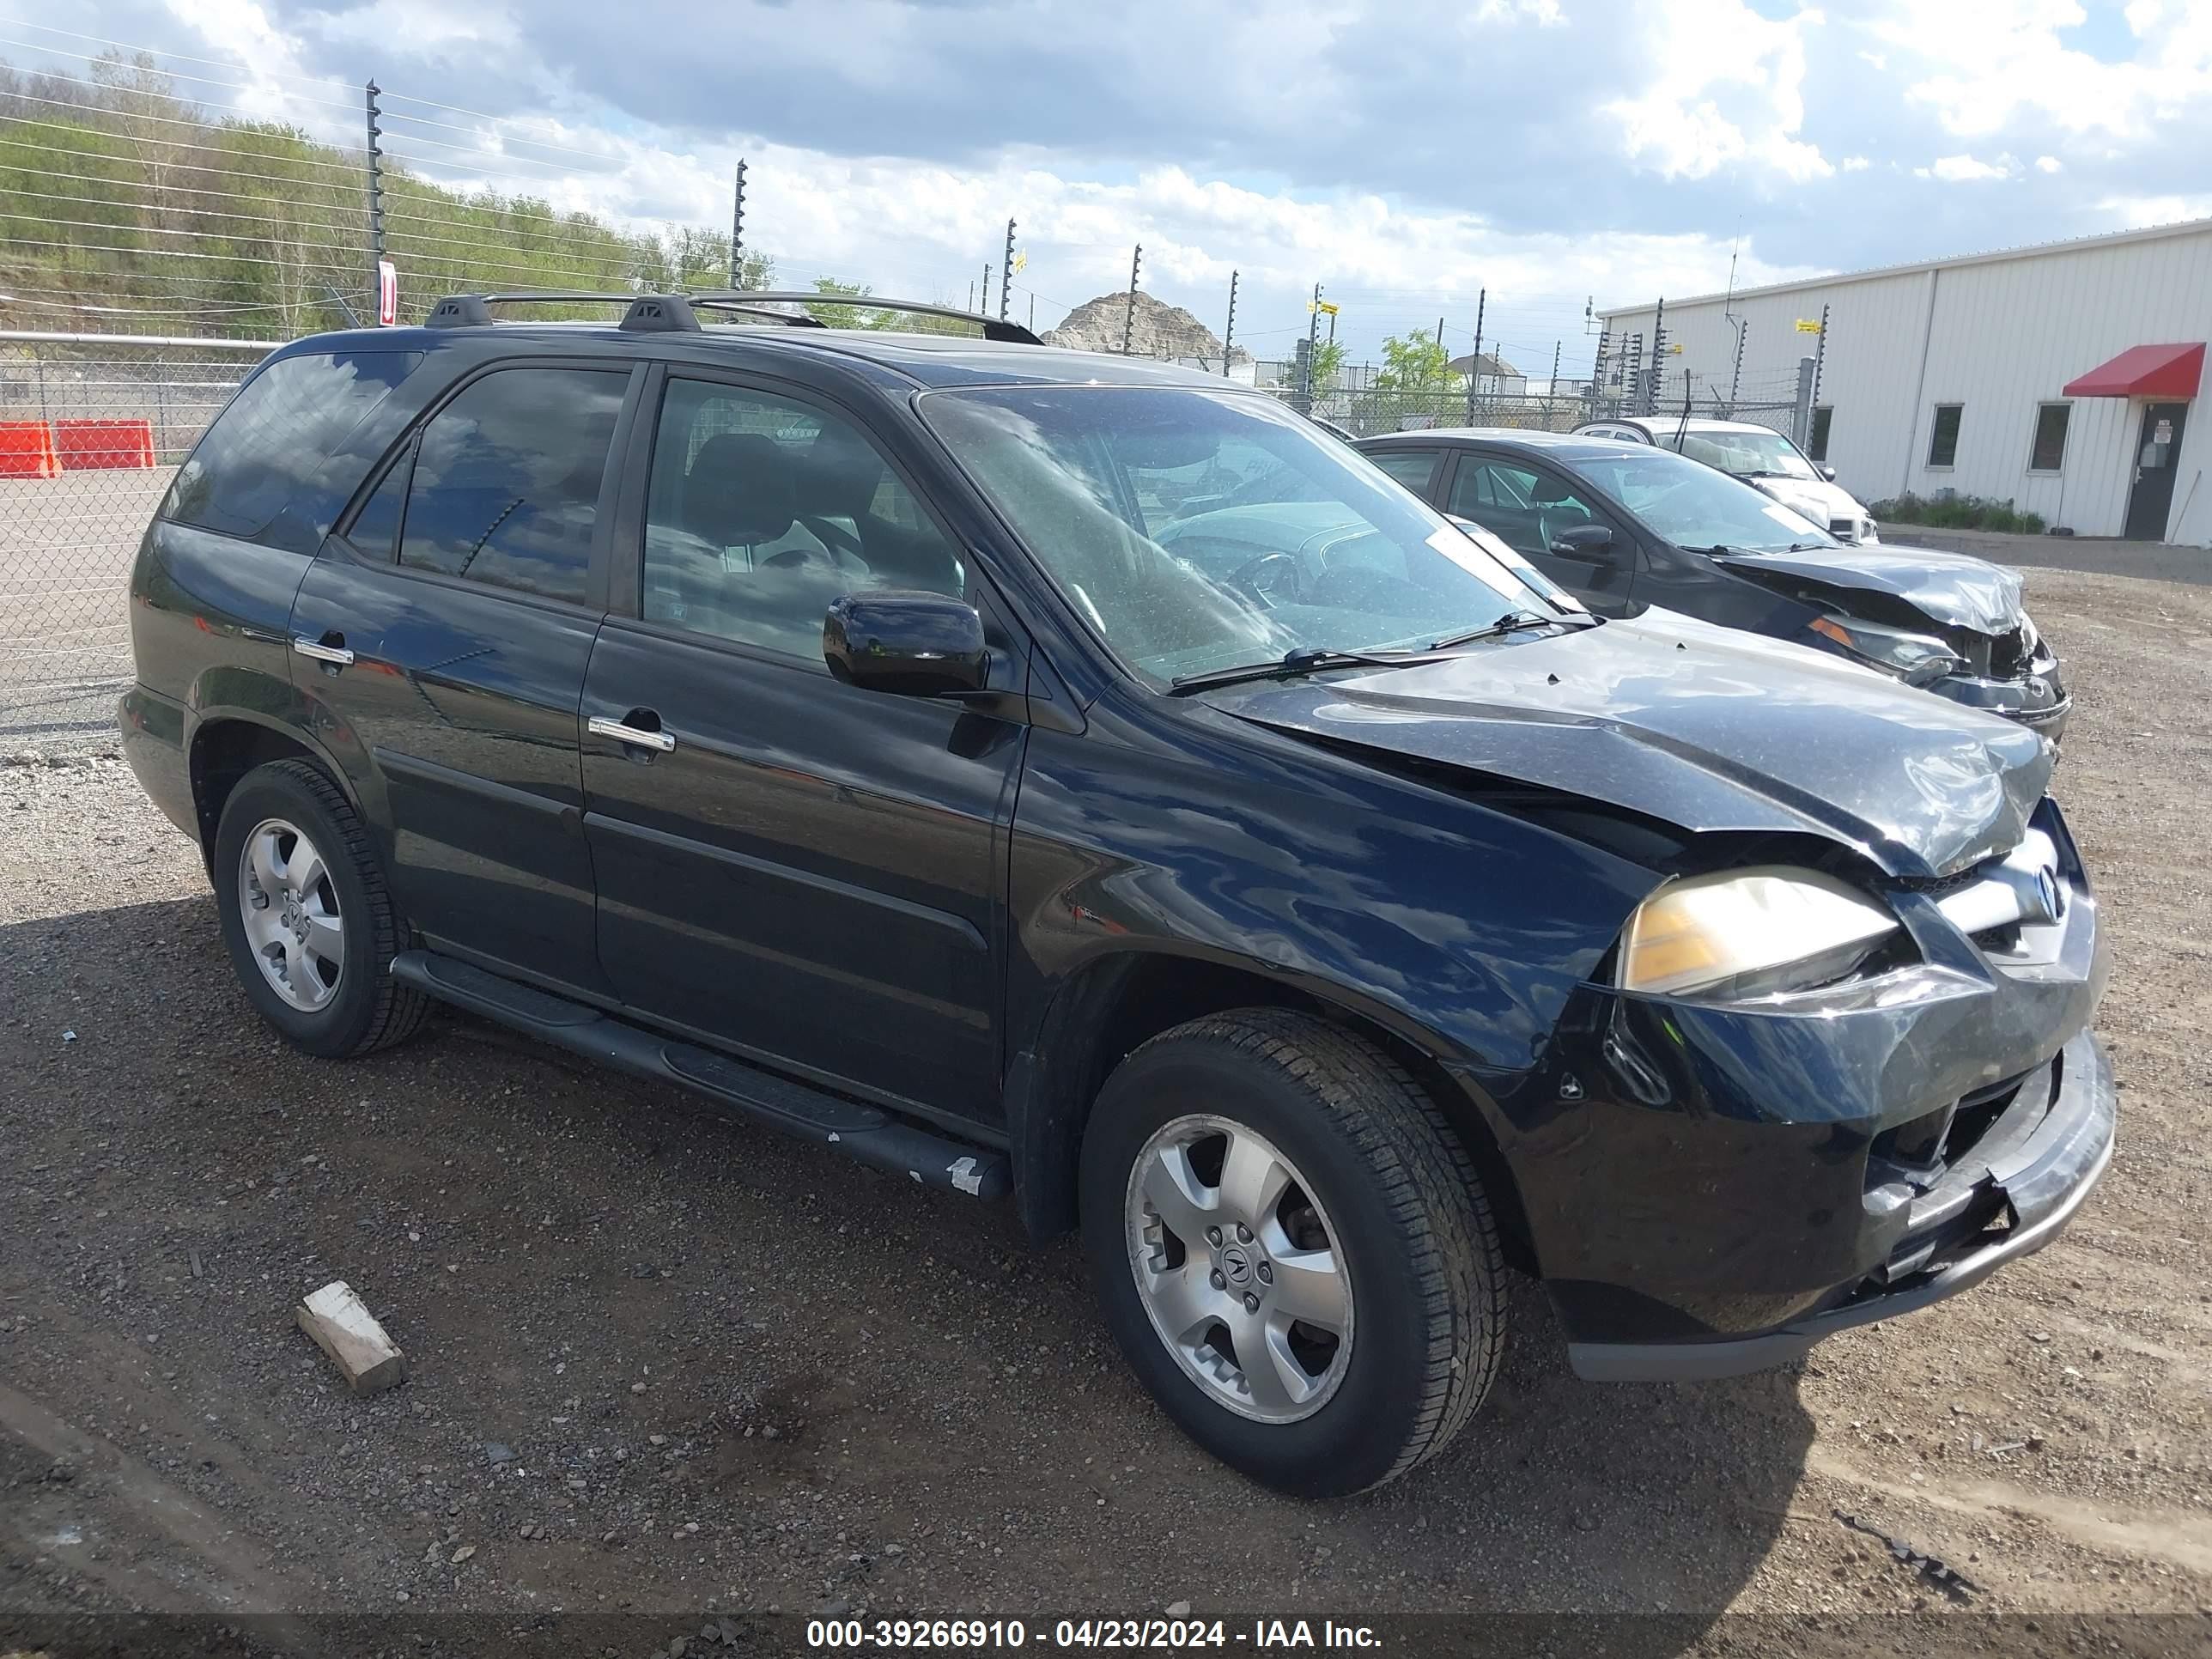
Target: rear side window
pixel 269 445
pixel 1416 468
pixel 507 478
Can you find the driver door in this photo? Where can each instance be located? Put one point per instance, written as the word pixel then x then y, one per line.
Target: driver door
pixel 1528 507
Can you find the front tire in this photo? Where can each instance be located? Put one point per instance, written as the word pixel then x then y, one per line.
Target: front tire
pixel 1292 1249
pixel 305 916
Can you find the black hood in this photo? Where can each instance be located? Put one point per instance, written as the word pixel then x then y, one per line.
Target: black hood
pixel 1702 727
pixel 1954 590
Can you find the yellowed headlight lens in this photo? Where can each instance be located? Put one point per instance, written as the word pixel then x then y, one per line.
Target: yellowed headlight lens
pixel 1711 929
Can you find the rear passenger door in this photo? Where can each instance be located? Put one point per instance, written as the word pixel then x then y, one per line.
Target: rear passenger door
pixel 808 872
pixel 445 630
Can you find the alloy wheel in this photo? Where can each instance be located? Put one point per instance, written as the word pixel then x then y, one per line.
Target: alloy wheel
pixel 290 911
pixel 1239 1269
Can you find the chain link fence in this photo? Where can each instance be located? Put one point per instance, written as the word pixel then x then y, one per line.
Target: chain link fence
pixel 1372 410
pixel 91 428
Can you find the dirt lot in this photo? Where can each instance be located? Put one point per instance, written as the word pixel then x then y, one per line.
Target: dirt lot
pixel 664 1365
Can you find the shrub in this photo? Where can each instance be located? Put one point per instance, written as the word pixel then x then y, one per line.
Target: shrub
pixel 1957 512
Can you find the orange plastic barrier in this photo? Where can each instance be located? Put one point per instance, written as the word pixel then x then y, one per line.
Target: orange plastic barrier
pixel 92 446
pixel 27 450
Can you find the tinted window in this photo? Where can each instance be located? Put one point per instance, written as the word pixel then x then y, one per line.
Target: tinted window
pixel 1523 507
pixel 1416 468
pixel 1943 437
pixel 507 479
pixel 375 529
pixel 762 510
pixel 276 434
pixel 2050 447
pixel 1821 419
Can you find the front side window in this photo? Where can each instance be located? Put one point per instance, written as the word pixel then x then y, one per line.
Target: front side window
pixel 1524 508
pixel 762 510
pixel 1697 508
pixel 507 479
pixel 272 440
pixel 1197 530
pixel 1943 436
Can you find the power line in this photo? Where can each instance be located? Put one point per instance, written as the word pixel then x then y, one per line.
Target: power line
pixel 180 166
pixel 179 144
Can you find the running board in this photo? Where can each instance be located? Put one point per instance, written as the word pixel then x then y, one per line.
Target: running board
pixel 867 1132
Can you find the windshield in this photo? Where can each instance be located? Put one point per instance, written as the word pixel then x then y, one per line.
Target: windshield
pixel 1694 507
pixel 1748 454
pixel 1199 529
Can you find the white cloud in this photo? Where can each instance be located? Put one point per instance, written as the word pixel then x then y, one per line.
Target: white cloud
pixel 1726 86
pixel 1961 169
pixel 1855 164
pixel 2048 164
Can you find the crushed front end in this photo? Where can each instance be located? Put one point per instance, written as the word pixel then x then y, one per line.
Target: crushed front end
pixel 1713 1185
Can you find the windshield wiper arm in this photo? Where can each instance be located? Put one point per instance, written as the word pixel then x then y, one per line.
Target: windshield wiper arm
pixel 1504 625
pixel 1305 660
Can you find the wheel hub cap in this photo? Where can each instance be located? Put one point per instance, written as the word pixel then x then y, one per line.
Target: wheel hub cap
pixel 1238 1269
pixel 288 908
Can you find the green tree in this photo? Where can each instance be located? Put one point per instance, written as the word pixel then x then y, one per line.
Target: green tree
pixel 1416 362
pixel 841 314
pixel 1328 362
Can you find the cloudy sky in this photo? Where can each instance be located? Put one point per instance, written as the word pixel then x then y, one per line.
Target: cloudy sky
pixel 1404 155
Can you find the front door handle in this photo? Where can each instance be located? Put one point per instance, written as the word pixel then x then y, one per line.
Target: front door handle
pixel 603 725
pixel 336 655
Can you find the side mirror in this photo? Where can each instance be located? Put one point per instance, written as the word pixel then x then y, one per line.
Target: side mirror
pixel 914 644
pixel 1582 540
pixel 1829 473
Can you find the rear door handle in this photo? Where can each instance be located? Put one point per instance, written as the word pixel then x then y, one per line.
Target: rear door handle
pixel 337 654
pixel 604 725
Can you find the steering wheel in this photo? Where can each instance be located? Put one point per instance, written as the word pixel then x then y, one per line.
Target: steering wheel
pixel 1252 578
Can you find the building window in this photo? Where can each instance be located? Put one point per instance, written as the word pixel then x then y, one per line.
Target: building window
pixel 1943 441
pixel 2050 447
pixel 1820 417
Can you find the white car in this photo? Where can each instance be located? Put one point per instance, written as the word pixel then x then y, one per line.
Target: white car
pixel 1759 455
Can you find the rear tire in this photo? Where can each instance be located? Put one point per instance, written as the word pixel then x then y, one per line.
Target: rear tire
pixel 1375 1226
pixel 309 924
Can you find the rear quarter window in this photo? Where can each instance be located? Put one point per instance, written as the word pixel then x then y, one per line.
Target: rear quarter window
pixel 269 448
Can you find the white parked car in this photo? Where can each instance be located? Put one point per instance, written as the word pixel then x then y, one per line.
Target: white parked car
pixel 1759 455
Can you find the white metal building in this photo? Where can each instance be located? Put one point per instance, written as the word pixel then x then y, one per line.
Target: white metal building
pixel 2063 378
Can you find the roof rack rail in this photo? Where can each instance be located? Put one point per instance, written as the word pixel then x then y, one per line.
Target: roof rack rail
pixel 755 302
pixel 648 313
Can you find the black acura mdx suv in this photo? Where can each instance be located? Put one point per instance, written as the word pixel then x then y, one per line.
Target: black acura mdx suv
pixel 871 732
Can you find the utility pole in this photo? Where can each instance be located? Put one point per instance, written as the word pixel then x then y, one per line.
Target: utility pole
pixel 1129 319
pixel 1655 381
pixel 1474 363
pixel 1229 329
pixel 986 290
pixel 1819 354
pixel 1313 339
pixel 1006 274
pixel 1597 371
pixel 1551 386
pixel 737 230
pixel 1735 377
pixel 375 200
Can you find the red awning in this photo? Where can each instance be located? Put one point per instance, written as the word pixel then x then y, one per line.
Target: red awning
pixel 2144 371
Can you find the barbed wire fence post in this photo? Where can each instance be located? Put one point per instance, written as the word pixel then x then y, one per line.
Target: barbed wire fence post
pixel 374 157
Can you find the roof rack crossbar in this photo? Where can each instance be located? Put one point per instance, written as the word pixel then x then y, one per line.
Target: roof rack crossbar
pixel 754 302
pixel 645 313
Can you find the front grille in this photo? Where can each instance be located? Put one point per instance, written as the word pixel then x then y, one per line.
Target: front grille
pixel 1846 528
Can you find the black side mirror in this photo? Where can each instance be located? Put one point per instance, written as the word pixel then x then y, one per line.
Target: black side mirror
pixel 1829 473
pixel 1580 541
pixel 915 644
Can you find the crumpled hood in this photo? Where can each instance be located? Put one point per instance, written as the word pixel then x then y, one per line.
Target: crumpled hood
pixel 1816 498
pixel 1955 589
pixel 1703 727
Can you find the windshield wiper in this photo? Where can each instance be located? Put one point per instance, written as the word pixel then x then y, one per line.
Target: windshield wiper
pixel 1305 660
pixel 1504 625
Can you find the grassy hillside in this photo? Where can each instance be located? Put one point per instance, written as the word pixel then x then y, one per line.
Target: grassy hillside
pixel 124 207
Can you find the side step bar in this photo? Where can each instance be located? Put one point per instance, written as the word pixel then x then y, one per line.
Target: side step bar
pixel 867 1132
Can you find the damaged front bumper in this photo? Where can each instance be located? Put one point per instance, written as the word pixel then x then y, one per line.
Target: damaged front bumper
pixel 1711 1187
pixel 2010 1200
pixel 2038 700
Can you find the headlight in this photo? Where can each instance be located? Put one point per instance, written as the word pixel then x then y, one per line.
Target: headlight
pixel 1749 932
pixel 1916 659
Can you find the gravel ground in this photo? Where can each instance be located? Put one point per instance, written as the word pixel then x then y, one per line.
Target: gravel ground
pixel 666 1364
